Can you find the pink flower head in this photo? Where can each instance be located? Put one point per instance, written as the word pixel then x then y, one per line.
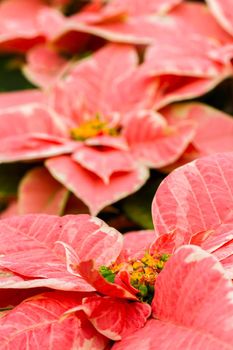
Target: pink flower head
pixel 185 66
pixel 193 205
pixel 194 67
pixel 223 14
pixel 219 31
pixel 99 133
pixel 23 21
pixel 197 57
pixel 207 140
pixel 24 24
pixel 107 288
pixel 128 21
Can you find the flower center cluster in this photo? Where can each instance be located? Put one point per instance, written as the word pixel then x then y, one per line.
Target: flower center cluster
pixel 92 128
pixel 143 273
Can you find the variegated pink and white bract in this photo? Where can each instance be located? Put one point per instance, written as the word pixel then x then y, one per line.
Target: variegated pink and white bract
pixel 213 130
pixel 192 305
pixel 218 15
pixel 222 11
pixel 194 205
pixel 23 22
pixel 94 240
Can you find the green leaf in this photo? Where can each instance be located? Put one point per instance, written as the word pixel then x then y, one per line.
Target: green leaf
pixel 107 274
pixel 74 6
pixel 11 77
pixel 220 97
pixel 143 290
pixel 10 176
pixel 138 206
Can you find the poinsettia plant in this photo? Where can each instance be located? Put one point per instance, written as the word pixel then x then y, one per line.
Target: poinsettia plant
pixel 107 113
pixel 147 289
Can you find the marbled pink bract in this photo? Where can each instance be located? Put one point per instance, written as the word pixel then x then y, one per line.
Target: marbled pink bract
pixel 195 15
pixel 141 8
pixel 91 237
pixel 84 183
pixel 51 198
pixel 22 23
pixel 191 56
pixel 221 31
pixel 44 66
pixel 17 98
pixel 207 140
pixel 35 239
pixel 45 326
pixel 223 12
pixel 31 131
pixel 101 311
pixel 153 140
pixel 194 203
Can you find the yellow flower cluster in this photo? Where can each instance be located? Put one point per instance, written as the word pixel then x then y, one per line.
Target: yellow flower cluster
pixel 92 128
